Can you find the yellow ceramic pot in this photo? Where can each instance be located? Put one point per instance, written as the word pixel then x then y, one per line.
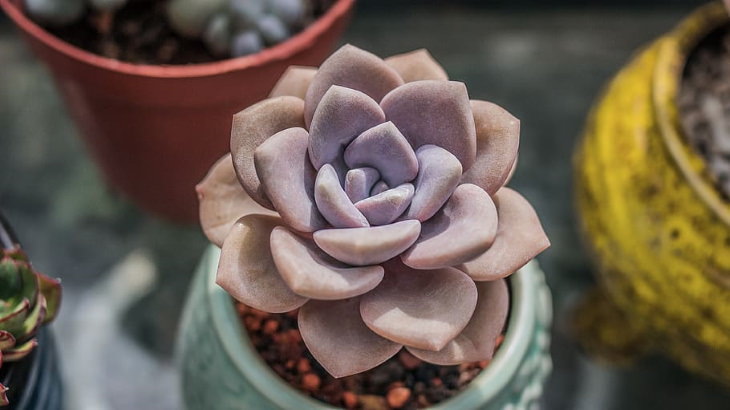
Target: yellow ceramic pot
pixel 658 229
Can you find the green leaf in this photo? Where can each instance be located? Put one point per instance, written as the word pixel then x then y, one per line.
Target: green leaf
pixel 10 279
pixel 6 341
pixel 13 321
pixel 51 290
pixel 17 353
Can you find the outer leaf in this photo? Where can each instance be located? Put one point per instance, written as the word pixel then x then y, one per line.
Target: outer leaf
pixel 19 352
pixel 6 341
pixel 51 290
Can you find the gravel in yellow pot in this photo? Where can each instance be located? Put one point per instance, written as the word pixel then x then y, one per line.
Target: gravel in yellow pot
pixel 658 228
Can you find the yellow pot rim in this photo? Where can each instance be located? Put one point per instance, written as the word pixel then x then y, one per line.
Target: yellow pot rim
pixel 673 52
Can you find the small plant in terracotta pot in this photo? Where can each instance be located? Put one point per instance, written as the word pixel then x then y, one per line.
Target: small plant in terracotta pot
pixel 28 301
pixel 369 195
pixel 152 95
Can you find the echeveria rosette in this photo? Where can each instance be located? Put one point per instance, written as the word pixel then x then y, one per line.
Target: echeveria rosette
pixel 373 200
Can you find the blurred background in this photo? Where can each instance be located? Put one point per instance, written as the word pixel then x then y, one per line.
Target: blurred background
pixel 125 274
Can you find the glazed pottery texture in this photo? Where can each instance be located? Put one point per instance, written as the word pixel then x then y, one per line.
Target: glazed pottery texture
pixel 658 229
pixel 221 370
pixel 155 130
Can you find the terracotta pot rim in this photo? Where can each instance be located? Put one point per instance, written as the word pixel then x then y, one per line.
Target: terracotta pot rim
pixel 303 40
pixel 525 301
pixel 671 61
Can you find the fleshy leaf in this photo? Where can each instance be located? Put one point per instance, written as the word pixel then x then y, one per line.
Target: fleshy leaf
pixel 379 188
pixel 3 393
pixel 477 341
pixel 359 182
pixel 436 113
pixel 439 172
pixel 387 206
pixel 368 246
pixel 463 229
pixel 342 115
pixel 417 65
pixel 223 201
pixel 253 126
pixel 51 290
pixel 420 308
pixel 520 238
pixel 333 203
pixel 498 139
pixel 294 82
pixel 6 340
pixel 384 148
pixel 288 178
pixel 353 68
pixel 19 352
pixel 337 337
pixel 247 270
pixel 310 272
pixel 13 320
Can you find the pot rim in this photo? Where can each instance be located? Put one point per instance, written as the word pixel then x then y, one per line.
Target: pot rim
pixel 487 385
pixel 672 55
pixel 301 41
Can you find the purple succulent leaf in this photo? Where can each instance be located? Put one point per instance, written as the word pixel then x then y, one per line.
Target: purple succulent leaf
pixel 379 188
pixel 253 126
pixel 337 337
pixel 288 178
pixel 384 148
pixel 498 139
pixel 353 68
pixel 387 206
pixel 6 340
pixel 420 308
pixel 368 246
pixel 463 229
pixel 520 238
pixel 310 272
pixel 341 116
pixel 294 82
pixel 436 113
pixel 223 201
pixel 247 270
pixel 439 172
pixel 359 182
pixel 333 203
pixel 417 65
pixel 477 341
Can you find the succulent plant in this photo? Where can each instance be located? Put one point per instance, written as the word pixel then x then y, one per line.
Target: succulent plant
pixel 369 194
pixel 227 27
pixel 28 299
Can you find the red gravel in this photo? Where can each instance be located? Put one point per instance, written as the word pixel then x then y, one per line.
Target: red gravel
pixel 403 382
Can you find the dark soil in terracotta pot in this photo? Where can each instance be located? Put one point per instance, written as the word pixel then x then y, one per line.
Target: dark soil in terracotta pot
pixel 139 33
pixel 402 382
pixel 704 104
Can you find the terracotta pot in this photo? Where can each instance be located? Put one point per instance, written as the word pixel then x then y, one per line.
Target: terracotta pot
pixel 220 368
pixel 155 130
pixel 658 228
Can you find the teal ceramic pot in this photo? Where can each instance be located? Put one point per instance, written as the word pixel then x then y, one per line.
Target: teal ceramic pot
pixel 221 370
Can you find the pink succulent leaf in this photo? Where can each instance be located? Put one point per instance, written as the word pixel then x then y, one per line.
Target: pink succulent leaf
pixel 310 272
pixel 387 206
pixel 223 201
pixel 384 148
pixel 337 337
pixel 359 182
pixel 288 178
pixel 247 271
pixel 425 309
pixel 294 82
pixel 477 341
pixel 253 126
pixel 353 68
pixel 416 66
pixel 368 246
pixel 3 393
pixel 333 203
pixel 379 188
pixel 341 116
pixel 498 139
pixel 436 113
pixel 520 238
pixel 463 229
pixel 439 172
